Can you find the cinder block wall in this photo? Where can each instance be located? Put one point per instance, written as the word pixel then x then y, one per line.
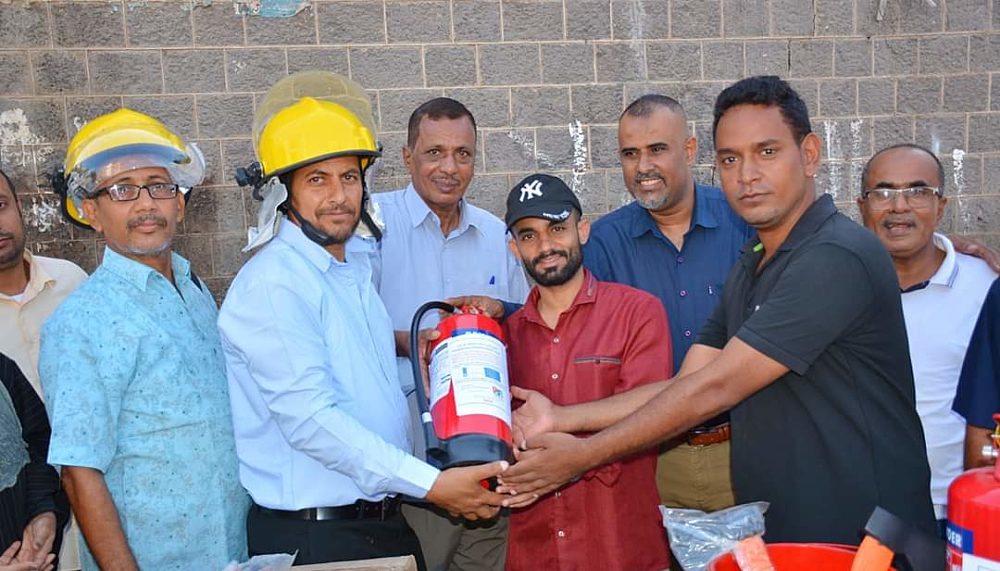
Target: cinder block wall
pixel 546 80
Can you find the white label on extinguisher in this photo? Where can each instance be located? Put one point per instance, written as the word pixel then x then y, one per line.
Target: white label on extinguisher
pixel 972 563
pixel 475 364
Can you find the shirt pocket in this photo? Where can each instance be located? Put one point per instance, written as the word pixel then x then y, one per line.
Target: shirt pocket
pixel 595 376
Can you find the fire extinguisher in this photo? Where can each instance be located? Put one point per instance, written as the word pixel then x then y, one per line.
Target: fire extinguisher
pixel 974 515
pixel 467 418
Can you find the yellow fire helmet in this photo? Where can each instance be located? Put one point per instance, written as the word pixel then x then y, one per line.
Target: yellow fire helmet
pixel 117 142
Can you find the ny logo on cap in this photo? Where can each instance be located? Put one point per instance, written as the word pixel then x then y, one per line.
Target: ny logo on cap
pixel 531 190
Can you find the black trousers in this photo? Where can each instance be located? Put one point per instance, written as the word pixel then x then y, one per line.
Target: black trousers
pixel 331 540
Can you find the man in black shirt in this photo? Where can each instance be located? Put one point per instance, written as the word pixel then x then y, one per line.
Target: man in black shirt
pixel 808 348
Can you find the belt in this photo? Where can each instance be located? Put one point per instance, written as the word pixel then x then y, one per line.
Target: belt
pixel 707 436
pixel 360 509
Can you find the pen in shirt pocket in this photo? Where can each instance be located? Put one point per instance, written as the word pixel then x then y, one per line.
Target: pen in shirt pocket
pixel 493 280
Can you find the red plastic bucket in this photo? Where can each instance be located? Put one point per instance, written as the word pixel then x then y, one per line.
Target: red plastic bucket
pixel 798 556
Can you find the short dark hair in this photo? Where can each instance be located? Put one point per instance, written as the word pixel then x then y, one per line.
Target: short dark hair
pixel 914 146
pixel 437 108
pixel 645 106
pixel 770 91
pixel 10 184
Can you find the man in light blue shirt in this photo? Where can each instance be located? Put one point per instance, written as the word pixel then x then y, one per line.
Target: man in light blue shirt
pixel 132 368
pixel 322 429
pixel 435 246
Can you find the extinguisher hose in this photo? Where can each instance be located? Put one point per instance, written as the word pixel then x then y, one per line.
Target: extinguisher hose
pixel 423 402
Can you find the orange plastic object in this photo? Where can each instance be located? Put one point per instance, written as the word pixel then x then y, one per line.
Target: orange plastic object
pixel 872 556
pixel 751 555
pixel 797 557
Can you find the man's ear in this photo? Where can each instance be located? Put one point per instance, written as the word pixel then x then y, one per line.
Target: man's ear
pixel 408 159
pixel 691 149
pixel 513 245
pixel 583 229
pixel 181 200
pixel 942 204
pixel 812 153
pixel 90 208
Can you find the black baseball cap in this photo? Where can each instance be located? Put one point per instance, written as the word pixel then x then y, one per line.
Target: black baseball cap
pixel 541 196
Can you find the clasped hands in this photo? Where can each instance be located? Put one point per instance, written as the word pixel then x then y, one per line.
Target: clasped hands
pixel 34 552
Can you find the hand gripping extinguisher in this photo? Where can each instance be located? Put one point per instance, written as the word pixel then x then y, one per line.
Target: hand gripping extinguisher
pixel 974 515
pixel 467 421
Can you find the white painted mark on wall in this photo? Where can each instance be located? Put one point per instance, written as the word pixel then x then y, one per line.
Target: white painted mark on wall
pixel 529 149
pixel 857 149
pixel 830 140
pixel 636 13
pixel 42 214
pixel 579 155
pixel 958 180
pixel 14 129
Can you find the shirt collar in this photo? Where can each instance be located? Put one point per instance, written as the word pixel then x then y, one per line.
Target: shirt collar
pixel 702 216
pixel 291 234
pixel 948 272
pixel 38 278
pixel 419 212
pixel 586 295
pixel 137 273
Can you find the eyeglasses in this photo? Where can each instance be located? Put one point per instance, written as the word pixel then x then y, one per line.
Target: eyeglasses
pixel 916 197
pixel 126 192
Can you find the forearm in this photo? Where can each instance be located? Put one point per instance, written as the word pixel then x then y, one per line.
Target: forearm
pixel 597 415
pixel 98 518
pixel 402 343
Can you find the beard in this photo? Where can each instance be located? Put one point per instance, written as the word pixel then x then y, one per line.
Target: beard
pixel 558 275
pixel 15 254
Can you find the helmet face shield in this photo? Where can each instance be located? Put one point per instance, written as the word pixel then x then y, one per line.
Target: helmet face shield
pixel 186 169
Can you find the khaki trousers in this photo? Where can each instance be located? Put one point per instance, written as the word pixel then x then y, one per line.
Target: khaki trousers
pixel 695 477
pixel 453 544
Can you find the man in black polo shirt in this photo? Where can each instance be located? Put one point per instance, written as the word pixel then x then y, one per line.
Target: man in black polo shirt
pixel 808 348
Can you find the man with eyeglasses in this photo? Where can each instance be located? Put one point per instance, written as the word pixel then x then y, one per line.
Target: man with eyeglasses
pixel 132 368
pixel 903 203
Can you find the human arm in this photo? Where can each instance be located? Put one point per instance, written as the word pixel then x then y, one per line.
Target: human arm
pixel 973 247
pixel 9 561
pixel 977 397
pixel 976 438
pixel 98 519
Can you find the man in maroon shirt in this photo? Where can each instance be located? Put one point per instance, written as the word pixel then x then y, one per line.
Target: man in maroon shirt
pixel 577 340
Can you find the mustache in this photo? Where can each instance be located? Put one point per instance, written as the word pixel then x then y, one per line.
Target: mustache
pixel 147 217
pixel 335 210
pixel 890 220
pixel 6 235
pixel 538 259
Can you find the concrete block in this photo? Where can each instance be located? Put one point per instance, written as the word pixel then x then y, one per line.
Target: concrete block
pixel 887 131
pixel 254 69
pixel 991 175
pixel 476 20
pixel 834 18
pixel 396 106
pixel 81 252
pixel 510 150
pixel 509 64
pixel 984 52
pixel 489 105
pixel 941 134
pixel 769 57
pixel 418 22
pixel 895 56
pixel 995 93
pixel 695 19
pixel 617 192
pixel 218 26
pixel 967 15
pixel 391 169
pixel 212 151
pixel 227 257
pixel 808 90
pixel 944 54
pixel 722 60
pixel 87 24
pixel 236 153
pixel 175 111
pixel 852 57
pixel 16 71
pixel 876 95
pixel 194 71
pixel 597 104
pixel 966 93
pixel 324 58
pixel 837 97
pixel 25 25
pixel 556 150
pixel 591 187
pixel 705 152
pixel 79 110
pixel 224 116
pixel 299 29
pixel 489 191
pixel 699 99
pixel 378 68
pixel 351 22
pixel 745 19
pixel 528 21
pixel 158 24
pixel 811 58
pixel 197 249
pixel 588 20
pixel 673 61
pixel 963 174
pixel 535 106
pixel 450 65
pixel 918 94
pixel 604 146
pixel 922 18
pixel 215 210
pixel 129 72
pixel 978 215
pixel 631 20
pixel 866 18
pixel 792 18
pixel 984 133
pixel 568 63
pixel 620 62
pixel 43 220
pixel 34 121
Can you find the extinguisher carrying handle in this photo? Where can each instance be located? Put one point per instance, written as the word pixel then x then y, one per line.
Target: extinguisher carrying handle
pixel 423 403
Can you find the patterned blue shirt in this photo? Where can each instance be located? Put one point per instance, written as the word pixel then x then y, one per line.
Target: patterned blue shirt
pixel 627 247
pixel 135 385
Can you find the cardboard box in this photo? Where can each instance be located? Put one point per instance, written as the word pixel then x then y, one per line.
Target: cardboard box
pixel 406 563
